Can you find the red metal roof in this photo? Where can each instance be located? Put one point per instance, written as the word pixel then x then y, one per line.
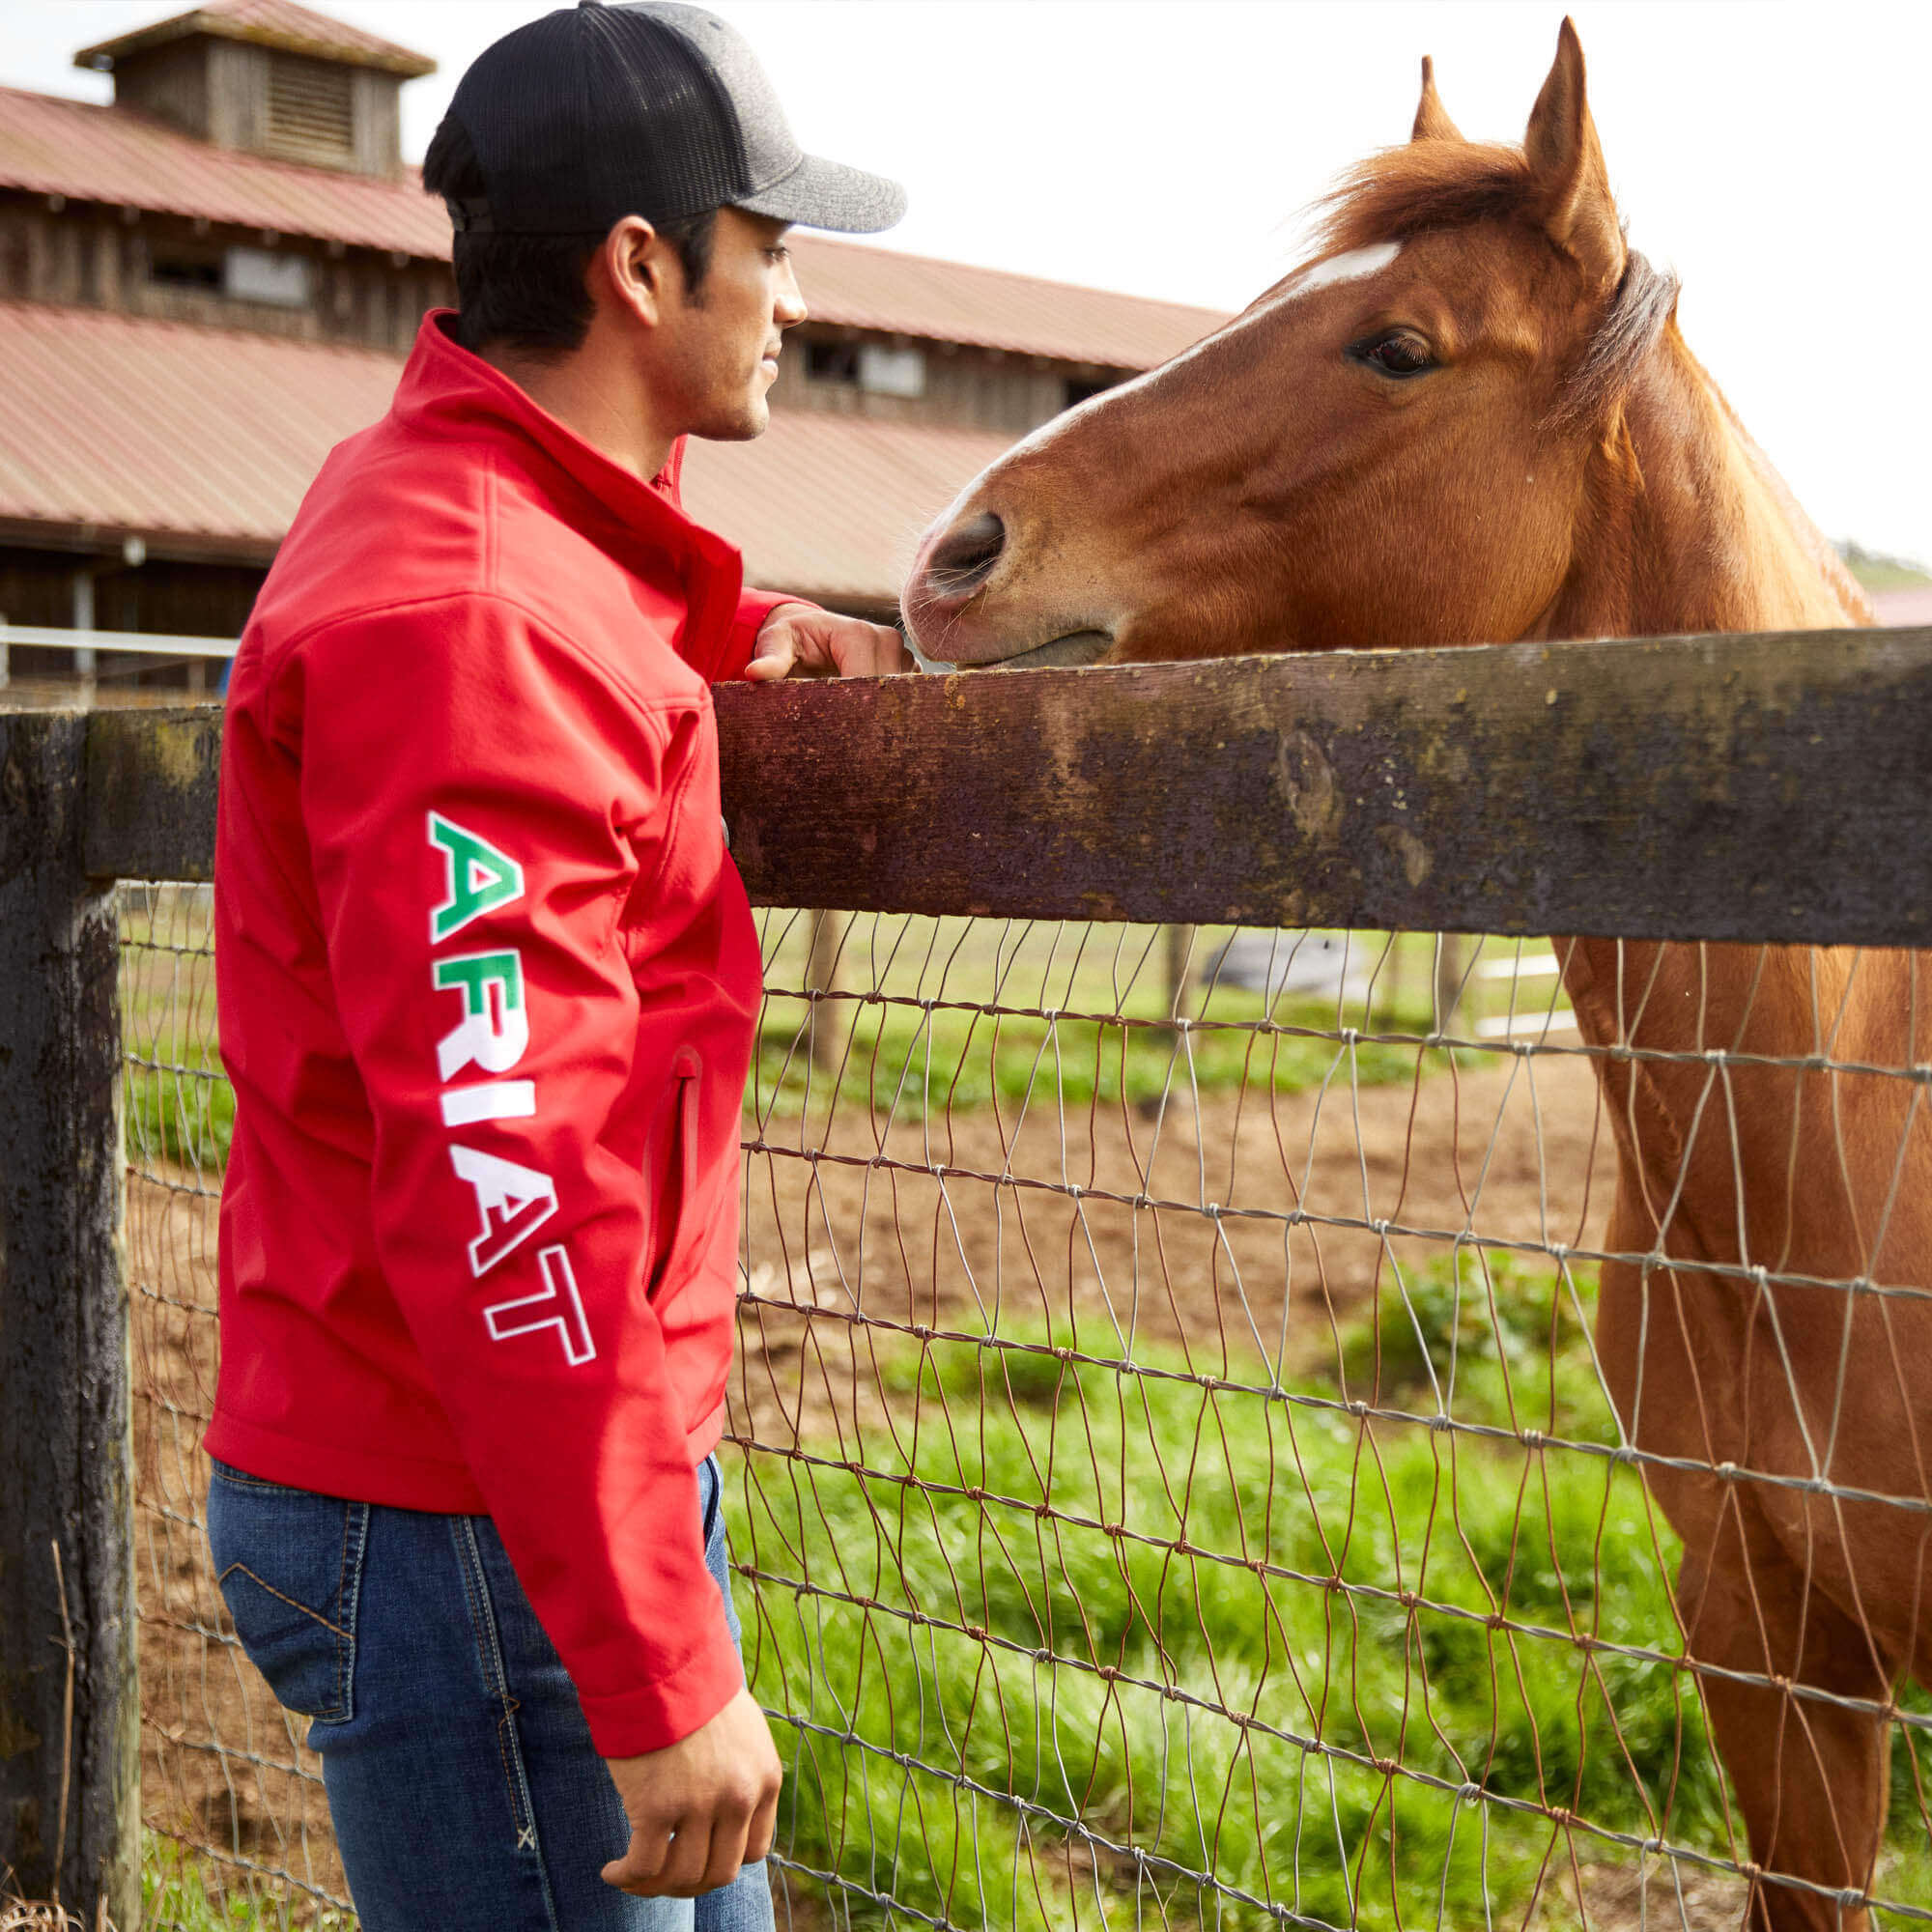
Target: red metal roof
pixel 947 302
pixel 50 145
pixel 273 23
pixel 203 442
pixel 830 505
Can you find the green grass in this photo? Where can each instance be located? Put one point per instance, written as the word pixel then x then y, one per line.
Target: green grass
pixel 1107 992
pixel 1878 572
pixel 183 1892
pixel 1495 1340
pixel 1290 1810
pixel 1095 1696
pixel 908 1064
pixel 183 1112
pixel 178 1104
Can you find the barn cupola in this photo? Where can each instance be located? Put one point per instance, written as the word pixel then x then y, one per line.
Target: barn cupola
pixel 268 77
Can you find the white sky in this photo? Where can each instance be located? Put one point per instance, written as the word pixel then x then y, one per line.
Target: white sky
pixel 1774 154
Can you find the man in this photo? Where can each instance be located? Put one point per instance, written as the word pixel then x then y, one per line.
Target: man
pixel 488 982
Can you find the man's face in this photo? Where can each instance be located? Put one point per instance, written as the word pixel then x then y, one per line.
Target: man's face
pixel 720 349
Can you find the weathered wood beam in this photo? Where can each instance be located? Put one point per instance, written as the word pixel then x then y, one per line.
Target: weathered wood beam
pixel 69 1789
pixel 1774 787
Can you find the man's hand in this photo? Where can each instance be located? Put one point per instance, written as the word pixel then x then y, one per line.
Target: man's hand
pixel 795 637
pixel 698 1809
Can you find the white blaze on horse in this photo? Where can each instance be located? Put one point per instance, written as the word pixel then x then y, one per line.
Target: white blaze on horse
pixel 1472 419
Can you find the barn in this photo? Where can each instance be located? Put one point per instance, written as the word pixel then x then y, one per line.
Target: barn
pixel 209 282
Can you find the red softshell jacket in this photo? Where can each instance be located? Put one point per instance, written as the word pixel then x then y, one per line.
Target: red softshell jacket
pixel 488 983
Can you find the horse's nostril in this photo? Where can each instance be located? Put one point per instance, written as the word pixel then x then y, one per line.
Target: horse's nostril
pixel 966 554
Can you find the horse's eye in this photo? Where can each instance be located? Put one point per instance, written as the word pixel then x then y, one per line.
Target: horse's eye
pixel 1399 353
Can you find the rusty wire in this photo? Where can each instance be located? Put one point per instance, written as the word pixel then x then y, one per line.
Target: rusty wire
pixel 1170 1474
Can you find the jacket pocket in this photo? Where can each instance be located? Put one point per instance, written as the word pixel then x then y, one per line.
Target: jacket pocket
pixel 674 1165
pixel 289 1566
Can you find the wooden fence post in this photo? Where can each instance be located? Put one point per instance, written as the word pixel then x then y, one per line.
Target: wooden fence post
pixel 1176 964
pixel 829 1029
pixel 1452 967
pixel 1391 983
pixel 65 1447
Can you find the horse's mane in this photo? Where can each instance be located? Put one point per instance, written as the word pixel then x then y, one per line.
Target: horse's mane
pixel 1434 185
pixel 1424 184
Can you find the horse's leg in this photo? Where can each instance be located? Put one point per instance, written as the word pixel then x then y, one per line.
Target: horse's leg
pixel 1811 1778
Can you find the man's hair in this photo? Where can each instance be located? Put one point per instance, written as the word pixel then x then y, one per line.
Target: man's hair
pixel 529 290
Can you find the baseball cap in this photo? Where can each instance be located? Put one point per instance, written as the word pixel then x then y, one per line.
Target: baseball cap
pixel 651 107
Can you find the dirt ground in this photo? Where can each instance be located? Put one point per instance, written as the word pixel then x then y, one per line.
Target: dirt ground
pixel 849 1220
pixel 1611 1898
pixel 866 1231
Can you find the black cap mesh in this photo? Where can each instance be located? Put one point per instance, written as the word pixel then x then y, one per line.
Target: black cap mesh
pixel 597 112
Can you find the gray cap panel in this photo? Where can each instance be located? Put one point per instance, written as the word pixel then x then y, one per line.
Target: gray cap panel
pixel 651 107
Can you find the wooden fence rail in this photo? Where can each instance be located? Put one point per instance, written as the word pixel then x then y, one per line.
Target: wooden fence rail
pixel 1765 788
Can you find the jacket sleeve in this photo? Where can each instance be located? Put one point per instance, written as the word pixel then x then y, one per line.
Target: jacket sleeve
pixel 753 607
pixel 480 804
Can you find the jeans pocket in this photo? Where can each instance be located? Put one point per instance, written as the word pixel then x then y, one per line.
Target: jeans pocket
pixel 289 1566
pixel 716 1545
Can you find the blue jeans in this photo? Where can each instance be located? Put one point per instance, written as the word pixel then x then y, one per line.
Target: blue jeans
pixel 465 1792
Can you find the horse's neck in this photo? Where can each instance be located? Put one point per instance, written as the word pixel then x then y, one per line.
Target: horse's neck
pixel 1686 527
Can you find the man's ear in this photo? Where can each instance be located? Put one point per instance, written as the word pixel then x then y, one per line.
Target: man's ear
pixel 630 269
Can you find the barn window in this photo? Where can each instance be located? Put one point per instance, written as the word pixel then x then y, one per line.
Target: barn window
pixel 260 275
pixel 311 110
pixel 185 271
pixel 875 367
pixel 891 372
pixel 832 362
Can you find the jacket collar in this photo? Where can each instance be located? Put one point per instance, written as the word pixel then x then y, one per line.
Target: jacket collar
pixel 447 391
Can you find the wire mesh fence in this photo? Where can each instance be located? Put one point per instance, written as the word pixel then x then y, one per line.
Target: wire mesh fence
pixel 233 1802
pixel 1171 1466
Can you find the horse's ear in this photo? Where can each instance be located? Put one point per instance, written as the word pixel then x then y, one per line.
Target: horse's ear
pixel 1431 117
pixel 1568 166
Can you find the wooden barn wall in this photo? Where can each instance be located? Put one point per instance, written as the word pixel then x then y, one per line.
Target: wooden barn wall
pixel 170 82
pixel 965 387
pixel 36 586
pixel 379 110
pixel 91 257
pixel 238 95
pixel 193 600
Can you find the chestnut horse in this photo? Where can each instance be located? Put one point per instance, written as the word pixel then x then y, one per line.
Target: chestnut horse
pixel 1470 419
